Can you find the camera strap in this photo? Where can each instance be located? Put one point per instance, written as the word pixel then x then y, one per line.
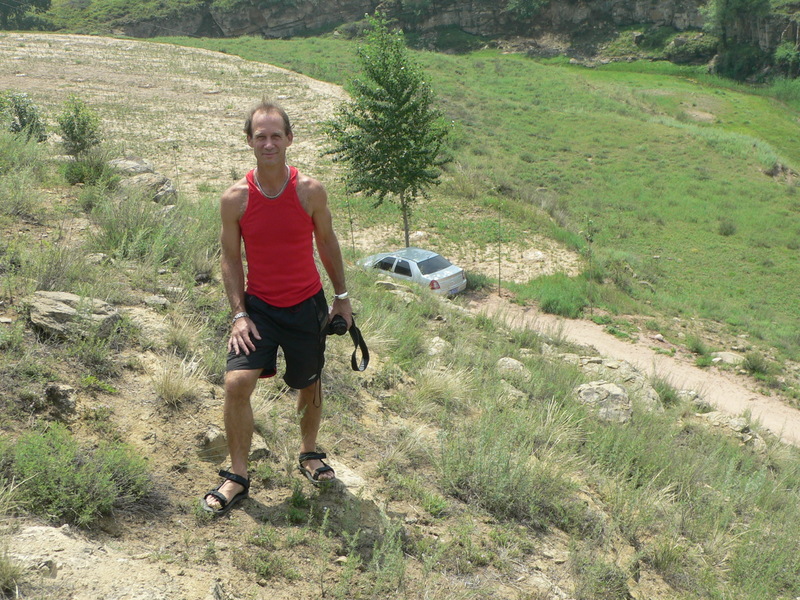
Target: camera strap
pixel 360 344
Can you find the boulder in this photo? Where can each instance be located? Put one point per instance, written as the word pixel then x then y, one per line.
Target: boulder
pixel 62 314
pixel 154 186
pixel 60 399
pixel 609 399
pixel 511 367
pixel 131 165
pixel 213 446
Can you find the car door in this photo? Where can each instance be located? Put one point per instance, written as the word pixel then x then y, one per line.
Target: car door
pixel 402 269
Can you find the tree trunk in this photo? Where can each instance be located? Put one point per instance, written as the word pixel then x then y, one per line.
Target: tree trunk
pixel 404 208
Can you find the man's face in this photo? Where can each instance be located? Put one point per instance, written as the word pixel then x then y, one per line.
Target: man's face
pixel 269 140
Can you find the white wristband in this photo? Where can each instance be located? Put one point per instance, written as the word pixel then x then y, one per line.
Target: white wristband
pixel 342 296
pixel 239 315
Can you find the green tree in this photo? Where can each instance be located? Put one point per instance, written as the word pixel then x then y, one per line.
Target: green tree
pixel 11 10
pixel 389 135
pixel 79 126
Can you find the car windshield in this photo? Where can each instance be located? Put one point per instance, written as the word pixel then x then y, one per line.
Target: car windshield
pixel 433 264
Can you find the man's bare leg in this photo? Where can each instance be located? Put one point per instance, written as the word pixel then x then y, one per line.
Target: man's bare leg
pixel 309 406
pixel 238 413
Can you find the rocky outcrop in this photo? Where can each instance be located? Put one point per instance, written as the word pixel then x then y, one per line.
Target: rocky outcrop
pixel 64 315
pixel 478 17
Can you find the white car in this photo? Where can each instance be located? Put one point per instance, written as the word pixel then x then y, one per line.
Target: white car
pixel 420 266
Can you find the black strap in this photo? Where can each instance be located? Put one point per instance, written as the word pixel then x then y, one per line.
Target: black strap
pixel 360 344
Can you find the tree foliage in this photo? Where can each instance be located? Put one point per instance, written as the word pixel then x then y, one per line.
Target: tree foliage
pixel 11 10
pixel 390 135
pixel 79 126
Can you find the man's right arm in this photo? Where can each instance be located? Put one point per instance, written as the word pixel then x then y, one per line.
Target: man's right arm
pixel 232 205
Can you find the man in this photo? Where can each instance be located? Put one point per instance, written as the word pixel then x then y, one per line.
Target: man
pixel 278 213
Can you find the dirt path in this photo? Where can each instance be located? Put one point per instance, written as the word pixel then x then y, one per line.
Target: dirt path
pixel 727 391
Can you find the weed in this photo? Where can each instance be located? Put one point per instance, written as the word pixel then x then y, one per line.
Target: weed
pixel 696 345
pixel 726 227
pixel 64 482
pixel 90 168
pixel 596 578
pixel 666 391
pixel 704 360
pixel 19 195
pixel 11 575
pixel 178 381
pixel 756 363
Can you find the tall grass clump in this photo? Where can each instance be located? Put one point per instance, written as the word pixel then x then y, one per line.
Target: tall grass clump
pixel 59 267
pixel 141 230
pixel 11 575
pixel 557 294
pixel 65 482
pixel 499 463
pixel 136 229
pixel 19 196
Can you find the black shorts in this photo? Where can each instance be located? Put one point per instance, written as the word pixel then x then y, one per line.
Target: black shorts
pixel 299 331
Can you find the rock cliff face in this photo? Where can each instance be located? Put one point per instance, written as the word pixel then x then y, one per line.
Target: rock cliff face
pixel 479 17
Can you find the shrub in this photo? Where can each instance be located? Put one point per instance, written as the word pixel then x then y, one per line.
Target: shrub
pixel 727 227
pixel 756 364
pixel 79 125
pixel 64 482
pixel 22 116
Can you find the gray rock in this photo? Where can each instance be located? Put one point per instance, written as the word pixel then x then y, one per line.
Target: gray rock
pixel 728 358
pixel 438 346
pixel 64 315
pixel 131 165
pixel 259 449
pixel 154 186
pixel 609 399
pixel 213 446
pixel 60 398
pixel 508 366
pixel 156 301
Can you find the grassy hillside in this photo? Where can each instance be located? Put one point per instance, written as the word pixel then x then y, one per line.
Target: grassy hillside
pixel 674 169
pixel 463 482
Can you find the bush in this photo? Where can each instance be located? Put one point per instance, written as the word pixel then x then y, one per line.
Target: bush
pixel 727 227
pixel 787 59
pixel 22 116
pixel 740 61
pixel 79 126
pixel 64 482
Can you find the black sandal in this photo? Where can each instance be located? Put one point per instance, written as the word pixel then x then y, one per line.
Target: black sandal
pixel 313 477
pixel 225 504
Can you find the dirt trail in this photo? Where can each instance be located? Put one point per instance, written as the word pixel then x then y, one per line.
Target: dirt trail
pixel 726 391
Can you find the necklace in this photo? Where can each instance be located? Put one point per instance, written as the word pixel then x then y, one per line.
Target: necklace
pixel 260 189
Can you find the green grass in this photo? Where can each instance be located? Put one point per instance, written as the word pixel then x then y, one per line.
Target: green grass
pixel 65 482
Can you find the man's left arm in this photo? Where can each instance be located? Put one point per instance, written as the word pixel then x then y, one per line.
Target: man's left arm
pixel 330 253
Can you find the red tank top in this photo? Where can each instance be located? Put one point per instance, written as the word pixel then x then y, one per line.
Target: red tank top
pixel 278 241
